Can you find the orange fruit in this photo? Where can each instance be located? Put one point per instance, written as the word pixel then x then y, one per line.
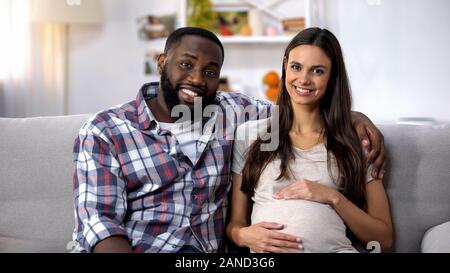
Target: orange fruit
pixel 272 93
pixel 246 30
pixel 271 79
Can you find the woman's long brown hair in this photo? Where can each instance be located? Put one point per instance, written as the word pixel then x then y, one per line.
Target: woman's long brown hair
pixel 335 107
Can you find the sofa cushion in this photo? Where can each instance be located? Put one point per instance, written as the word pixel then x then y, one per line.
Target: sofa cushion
pixel 437 239
pixel 36 166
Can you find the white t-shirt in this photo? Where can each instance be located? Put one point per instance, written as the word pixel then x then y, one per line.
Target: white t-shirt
pixel 317 224
pixel 187 135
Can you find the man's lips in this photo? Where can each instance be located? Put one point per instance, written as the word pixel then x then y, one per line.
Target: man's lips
pixel 191 91
pixel 190 94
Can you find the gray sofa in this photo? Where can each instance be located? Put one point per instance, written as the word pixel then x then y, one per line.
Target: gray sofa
pixel 36 211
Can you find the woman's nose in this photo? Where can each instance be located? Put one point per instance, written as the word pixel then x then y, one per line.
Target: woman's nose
pixel 304 78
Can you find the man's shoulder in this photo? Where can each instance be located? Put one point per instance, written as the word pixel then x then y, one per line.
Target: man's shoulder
pixel 240 99
pixel 109 118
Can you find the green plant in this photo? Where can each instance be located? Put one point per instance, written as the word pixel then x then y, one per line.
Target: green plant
pixel 201 14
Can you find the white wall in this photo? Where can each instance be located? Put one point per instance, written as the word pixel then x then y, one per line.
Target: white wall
pixel 106 62
pixel 396 53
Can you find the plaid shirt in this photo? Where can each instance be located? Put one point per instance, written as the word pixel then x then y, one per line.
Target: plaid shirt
pixel 131 178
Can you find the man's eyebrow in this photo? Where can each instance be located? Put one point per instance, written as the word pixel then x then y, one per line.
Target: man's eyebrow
pixel 189 55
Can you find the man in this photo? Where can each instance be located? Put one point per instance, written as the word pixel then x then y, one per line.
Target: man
pixel 144 184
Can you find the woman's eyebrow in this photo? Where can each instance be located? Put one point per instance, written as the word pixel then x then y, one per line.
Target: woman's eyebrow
pixel 314 66
pixel 319 66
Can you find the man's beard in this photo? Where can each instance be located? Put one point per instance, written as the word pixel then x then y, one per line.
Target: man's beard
pixel 171 98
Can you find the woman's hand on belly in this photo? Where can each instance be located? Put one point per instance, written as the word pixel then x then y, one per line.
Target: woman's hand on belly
pixel 263 237
pixel 308 190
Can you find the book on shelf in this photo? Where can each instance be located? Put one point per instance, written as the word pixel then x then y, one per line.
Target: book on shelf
pixel 293 25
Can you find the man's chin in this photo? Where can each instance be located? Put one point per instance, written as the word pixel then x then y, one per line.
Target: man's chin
pixel 187 108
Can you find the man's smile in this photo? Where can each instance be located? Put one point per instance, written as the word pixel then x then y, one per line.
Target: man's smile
pixel 190 93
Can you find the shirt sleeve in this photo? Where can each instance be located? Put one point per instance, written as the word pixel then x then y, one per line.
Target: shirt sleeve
pixel 239 149
pixel 246 134
pixel 99 191
pixel 252 108
pixel 369 177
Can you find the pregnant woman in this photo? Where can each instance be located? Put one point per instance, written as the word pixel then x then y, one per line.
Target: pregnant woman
pixel 313 188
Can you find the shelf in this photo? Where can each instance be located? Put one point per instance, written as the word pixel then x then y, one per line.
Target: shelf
pixel 255 39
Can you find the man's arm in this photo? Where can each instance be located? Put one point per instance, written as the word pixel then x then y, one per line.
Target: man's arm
pixel 115 244
pixel 100 194
pixel 371 139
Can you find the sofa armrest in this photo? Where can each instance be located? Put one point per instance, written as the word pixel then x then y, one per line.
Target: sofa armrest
pixel 437 239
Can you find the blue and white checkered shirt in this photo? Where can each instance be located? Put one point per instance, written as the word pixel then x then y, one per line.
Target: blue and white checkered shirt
pixel 131 178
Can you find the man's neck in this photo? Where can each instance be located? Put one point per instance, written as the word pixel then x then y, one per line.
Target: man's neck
pixel 159 108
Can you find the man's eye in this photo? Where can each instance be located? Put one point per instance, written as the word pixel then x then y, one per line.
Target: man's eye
pixel 185 65
pixel 210 73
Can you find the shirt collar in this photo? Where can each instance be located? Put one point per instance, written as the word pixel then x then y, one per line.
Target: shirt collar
pixel 145 116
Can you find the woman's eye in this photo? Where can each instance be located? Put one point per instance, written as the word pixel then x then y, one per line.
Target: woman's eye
pixel 295 67
pixel 318 71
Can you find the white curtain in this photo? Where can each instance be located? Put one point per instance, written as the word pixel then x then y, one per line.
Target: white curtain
pixel 32 63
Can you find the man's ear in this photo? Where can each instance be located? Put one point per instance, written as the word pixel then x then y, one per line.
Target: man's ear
pixel 161 61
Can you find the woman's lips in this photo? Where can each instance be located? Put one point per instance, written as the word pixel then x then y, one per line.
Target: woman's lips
pixel 303 91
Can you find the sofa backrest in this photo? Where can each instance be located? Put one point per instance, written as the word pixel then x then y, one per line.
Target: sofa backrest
pixel 36 168
pixel 417 180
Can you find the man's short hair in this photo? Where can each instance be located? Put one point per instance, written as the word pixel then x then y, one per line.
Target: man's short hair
pixel 175 37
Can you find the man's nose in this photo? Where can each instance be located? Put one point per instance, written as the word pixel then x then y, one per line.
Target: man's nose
pixel 196 77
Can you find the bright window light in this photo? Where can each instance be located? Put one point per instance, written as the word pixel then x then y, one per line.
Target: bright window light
pixel 14 37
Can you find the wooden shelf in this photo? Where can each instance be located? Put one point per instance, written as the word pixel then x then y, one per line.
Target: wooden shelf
pixel 255 39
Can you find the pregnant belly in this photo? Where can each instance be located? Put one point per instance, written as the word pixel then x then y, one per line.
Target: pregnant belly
pixel 318 225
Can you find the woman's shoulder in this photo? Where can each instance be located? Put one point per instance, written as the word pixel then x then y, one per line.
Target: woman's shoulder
pixel 250 130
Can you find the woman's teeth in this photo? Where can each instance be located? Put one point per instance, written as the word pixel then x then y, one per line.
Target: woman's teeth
pixel 303 91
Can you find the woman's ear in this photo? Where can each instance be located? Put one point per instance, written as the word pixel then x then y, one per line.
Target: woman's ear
pixel 161 61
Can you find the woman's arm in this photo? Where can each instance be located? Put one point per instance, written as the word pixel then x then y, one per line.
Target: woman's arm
pixel 373 225
pixel 260 237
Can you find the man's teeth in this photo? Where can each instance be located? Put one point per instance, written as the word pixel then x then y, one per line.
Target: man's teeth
pixel 189 92
pixel 303 91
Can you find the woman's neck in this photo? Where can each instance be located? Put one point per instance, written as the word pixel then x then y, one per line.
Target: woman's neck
pixel 306 120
